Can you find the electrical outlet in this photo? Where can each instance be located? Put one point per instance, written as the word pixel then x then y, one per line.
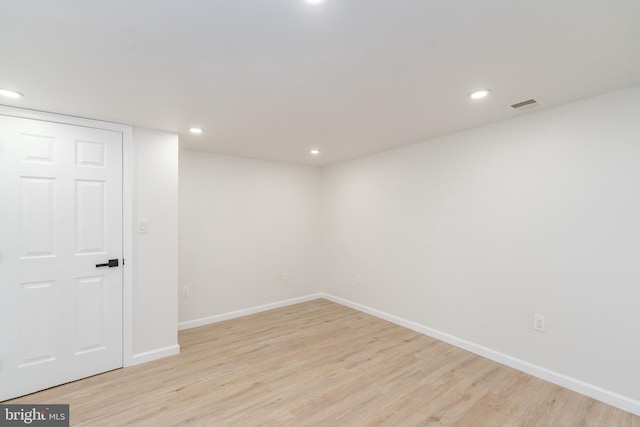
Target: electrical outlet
pixel 285 277
pixel 185 292
pixel 539 323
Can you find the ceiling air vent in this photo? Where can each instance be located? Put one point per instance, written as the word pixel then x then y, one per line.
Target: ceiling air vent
pixel 524 103
pixel 527 104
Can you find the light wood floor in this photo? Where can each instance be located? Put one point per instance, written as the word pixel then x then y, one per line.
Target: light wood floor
pixel 322 364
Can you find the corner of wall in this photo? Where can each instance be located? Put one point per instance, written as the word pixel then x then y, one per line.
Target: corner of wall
pixel 155 252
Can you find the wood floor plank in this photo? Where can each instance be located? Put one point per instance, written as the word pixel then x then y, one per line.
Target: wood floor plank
pixel 322 364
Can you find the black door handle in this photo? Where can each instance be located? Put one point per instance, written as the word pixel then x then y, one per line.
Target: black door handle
pixel 112 263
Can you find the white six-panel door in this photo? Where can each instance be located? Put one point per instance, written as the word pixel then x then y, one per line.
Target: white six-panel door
pixel 60 216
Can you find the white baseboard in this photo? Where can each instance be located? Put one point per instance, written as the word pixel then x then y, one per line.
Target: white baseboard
pixel 595 392
pixel 159 353
pixel 245 312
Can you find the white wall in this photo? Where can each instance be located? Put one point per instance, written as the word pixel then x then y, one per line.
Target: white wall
pixel 243 223
pixel 473 233
pixel 155 254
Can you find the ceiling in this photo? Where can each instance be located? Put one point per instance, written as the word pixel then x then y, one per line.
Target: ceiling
pixel 271 79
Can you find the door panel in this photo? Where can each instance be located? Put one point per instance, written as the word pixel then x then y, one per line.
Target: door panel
pixel 60 215
pixel 36 216
pixel 90 226
pixel 91 314
pixel 36 323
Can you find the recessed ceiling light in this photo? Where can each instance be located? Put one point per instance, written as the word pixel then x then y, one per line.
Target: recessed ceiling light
pixel 315 2
pixel 479 94
pixel 314 152
pixel 197 131
pixel 10 93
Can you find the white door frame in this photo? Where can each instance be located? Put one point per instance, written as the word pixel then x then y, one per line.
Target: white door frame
pixel 127 207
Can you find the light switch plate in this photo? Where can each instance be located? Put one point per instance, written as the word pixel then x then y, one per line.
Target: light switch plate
pixel 143 226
